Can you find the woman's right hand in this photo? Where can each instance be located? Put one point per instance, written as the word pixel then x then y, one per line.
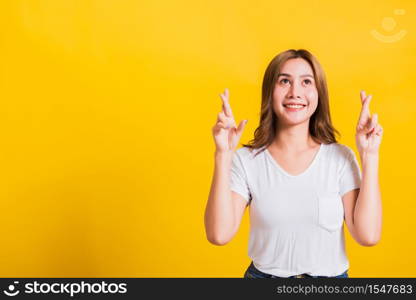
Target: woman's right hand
pixel 226 134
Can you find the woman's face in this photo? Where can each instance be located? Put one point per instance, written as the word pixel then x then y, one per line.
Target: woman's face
pixel 295 86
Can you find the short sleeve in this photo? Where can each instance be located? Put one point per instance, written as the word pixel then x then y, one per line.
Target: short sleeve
pixel 238 178
pixel 350 176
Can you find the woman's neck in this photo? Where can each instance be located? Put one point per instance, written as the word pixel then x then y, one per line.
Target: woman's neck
pixel 294 138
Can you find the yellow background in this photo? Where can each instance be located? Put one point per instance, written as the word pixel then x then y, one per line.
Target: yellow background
pixel 106 115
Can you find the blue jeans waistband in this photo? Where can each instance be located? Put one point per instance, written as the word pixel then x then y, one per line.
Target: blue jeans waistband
pixel 253 272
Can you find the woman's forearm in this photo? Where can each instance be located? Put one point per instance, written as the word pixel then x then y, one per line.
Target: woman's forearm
pixel 368 209
pixel 219 212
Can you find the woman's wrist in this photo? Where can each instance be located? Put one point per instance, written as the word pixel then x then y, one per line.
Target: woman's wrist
pixel 364 155
pixel 223 156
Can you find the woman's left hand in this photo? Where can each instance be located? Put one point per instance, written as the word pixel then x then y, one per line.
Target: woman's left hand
pixel 369 132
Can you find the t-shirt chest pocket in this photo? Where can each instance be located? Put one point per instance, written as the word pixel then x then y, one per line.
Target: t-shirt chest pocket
pixel 330 211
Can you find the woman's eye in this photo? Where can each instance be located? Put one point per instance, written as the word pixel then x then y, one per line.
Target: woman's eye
pixel 308 81
pixel 284 80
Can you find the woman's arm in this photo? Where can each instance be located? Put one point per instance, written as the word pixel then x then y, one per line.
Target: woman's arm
pixel 219 214
pixel 363 212
pixel 224 208
pixel 368 209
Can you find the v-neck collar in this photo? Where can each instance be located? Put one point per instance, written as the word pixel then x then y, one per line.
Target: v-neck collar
pixel 298 175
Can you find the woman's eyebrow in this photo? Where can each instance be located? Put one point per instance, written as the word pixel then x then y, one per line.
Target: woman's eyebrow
pixel 288 75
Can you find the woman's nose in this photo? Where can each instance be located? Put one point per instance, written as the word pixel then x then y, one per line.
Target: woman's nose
pixel 294 91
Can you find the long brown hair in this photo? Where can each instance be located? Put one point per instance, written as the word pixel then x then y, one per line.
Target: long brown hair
pixel 320 124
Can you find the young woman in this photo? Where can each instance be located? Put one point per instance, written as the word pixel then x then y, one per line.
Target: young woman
pixel 298 182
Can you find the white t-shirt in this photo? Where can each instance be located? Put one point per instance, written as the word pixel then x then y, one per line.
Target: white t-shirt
pixel 296 222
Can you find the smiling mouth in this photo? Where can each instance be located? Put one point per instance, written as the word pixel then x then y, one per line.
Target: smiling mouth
pixel 294 105
pixel 294 108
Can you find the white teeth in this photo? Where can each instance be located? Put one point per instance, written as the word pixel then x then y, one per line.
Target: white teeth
pixel 294 106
